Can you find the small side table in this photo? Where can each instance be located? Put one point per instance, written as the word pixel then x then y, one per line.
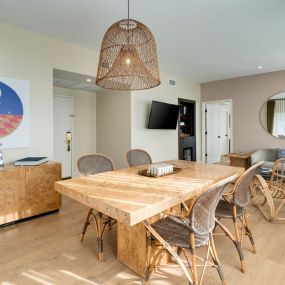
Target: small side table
pixel 239 159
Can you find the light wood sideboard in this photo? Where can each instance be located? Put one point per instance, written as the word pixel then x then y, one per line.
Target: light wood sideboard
pixel 28 191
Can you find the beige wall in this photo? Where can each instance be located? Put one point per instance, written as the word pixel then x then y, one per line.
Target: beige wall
pixel 114 125
pixel 84 123
pixel 29 56
pixel 248 94
pixel 162 144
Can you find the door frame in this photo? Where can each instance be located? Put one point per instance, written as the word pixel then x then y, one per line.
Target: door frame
pixel 195 127
pixel 72 127
pixel 230 101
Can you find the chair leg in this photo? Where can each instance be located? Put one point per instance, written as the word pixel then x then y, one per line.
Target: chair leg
pixel 234 240
pixel 193 259
pixel 215 258
pixel 248 232
pixel 148 263
pixel 87 222
pixel 170 250
pixel 100 232
pixel 238 243
pixel 100 229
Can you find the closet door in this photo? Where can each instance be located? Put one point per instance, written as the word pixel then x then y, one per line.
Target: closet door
pixel 213 132
pixel 224 131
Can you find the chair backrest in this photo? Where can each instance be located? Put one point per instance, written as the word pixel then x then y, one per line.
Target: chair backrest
pixel 202 214
pixel 137 157
pixel 278 173
pixel 241 196
pixel 93 164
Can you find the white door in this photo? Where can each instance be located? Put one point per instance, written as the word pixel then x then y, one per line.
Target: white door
pixel 62 120
pixel 217 131
pixel 224 132
pixel 213 132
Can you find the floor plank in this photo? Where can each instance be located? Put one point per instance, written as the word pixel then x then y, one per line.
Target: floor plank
pixel 47 251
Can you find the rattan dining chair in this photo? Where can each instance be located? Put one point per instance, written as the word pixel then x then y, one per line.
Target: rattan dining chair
pixel 187 234
pixel 137 157
pixel 89 165
pixel 269 196
pixel 234 206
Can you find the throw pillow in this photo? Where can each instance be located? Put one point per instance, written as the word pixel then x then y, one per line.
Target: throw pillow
pixel 281 153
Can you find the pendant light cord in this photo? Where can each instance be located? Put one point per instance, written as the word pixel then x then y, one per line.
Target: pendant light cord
pixel 128 10
pixel 128 25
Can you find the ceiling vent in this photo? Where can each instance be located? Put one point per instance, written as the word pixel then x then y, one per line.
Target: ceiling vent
pixel 172 82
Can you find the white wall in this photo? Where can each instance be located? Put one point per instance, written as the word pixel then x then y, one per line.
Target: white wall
pixel 122 119
pixel 114 125
pixel 162 144
pixel 30 56
pixel 84 123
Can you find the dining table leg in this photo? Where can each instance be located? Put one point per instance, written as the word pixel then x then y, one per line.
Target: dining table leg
pixel 132 248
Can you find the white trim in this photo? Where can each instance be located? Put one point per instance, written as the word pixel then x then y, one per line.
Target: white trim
pixel 204 124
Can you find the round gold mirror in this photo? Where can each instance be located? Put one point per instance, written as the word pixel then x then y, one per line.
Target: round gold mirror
pixel 272 115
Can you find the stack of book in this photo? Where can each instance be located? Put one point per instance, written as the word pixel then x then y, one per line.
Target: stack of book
pixel 265 170
pixel 30 161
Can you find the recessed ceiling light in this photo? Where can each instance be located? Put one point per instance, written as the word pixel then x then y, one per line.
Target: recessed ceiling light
pixel 260 67
pixel 88 79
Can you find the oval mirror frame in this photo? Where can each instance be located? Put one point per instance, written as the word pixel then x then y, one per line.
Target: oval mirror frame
pixel 272 115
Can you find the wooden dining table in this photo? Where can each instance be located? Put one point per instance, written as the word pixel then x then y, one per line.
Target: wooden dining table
pixel 131 199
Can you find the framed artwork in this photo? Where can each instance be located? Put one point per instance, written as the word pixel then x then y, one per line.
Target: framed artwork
pixel 14 113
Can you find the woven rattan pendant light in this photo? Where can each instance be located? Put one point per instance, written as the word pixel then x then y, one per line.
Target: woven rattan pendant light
pixel 128 57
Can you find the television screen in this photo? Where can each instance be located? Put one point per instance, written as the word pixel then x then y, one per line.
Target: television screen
pixel 163 116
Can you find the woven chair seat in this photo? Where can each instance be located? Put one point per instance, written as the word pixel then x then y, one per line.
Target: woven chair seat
pixel 225 210
pixel 176 232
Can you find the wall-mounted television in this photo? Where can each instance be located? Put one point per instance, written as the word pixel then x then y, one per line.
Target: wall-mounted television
pixel 163 116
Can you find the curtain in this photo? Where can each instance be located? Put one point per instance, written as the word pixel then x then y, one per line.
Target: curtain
pixel 279 118
pixel 270 115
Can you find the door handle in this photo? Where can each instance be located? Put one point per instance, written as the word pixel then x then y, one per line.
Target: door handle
pixel 219 137
pixel 68 140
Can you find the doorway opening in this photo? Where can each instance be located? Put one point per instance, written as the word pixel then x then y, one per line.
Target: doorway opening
pixel 217 130
pixel 187 129
pixel 74 132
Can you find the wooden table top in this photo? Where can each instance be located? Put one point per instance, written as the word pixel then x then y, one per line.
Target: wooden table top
pixel 130 198
pixel 238 155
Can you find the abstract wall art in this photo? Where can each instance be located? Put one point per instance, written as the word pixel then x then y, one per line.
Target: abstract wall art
pixel 14 113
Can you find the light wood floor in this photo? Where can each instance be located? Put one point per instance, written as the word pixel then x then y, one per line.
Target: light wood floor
pixel 47 251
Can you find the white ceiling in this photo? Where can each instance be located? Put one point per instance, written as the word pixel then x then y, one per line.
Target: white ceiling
pixel 204 40
pixel 72 80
